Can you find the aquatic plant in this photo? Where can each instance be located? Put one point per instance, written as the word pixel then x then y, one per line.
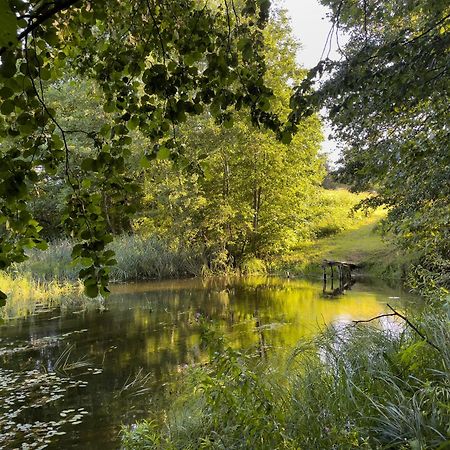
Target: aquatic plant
pixel 30 296
pixel 31 390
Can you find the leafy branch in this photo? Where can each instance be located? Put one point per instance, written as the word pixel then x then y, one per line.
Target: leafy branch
pixel 58 7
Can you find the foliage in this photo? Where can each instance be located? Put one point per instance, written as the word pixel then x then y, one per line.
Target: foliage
pixel 388 103
pixel 253 266
pixel 156 63
pixel 333 211
pixel 360 387
pixel 237 192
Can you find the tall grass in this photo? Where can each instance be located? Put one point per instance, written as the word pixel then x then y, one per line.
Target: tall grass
pixel 27 296
pixel 53 264
pixel 151 257
pixel 138 258
pixel 360 387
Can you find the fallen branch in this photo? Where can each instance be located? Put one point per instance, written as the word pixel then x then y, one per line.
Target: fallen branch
pixel 408 322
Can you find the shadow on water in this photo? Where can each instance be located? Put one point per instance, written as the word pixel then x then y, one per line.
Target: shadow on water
pixel 70 380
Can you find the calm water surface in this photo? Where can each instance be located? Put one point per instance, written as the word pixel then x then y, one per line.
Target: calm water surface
pixel 69 380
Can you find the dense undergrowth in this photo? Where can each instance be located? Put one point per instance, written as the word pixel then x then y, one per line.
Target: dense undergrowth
pixel 357 387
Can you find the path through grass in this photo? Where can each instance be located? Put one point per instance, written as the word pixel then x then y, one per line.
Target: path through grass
pixel 362 244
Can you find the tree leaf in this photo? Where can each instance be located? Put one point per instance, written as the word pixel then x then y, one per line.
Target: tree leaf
pixel 8 25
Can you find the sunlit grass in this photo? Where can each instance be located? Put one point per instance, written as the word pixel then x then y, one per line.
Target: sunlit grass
pixel 27 296
pixel 344 235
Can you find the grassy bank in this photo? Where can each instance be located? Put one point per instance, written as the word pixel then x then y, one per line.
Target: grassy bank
pixel 358 240
pixel 28 296
pixel 361 387
pixel 363 246
pixel 331 230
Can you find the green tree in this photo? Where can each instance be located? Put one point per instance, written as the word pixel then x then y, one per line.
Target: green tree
pixel 237 192
pixel 155 62
pixel 388 102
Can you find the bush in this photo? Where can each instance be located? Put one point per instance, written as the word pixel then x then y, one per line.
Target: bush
pixel 333 212
pixel 253 266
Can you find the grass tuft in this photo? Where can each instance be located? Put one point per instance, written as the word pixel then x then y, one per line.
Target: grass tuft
pixel 28 296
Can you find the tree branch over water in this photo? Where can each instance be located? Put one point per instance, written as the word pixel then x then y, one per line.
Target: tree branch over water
pixel 396 313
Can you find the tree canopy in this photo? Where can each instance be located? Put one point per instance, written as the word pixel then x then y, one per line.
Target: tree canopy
pixel 388 102
pixel 156 63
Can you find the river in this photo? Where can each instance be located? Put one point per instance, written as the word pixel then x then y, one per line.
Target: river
pixel 70 379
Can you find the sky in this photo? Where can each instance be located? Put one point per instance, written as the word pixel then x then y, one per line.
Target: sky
pixel 311 27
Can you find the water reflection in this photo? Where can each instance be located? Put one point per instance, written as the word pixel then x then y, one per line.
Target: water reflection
pixel 148 332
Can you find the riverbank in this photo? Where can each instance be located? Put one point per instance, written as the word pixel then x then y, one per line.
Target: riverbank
pixel 361 244
pixel 350 387
pixel 50 277
pixel 28 296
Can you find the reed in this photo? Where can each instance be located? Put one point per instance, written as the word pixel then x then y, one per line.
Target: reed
pixel 138 258
pixel 28 296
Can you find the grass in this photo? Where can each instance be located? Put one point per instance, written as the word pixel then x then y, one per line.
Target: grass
pixel 27 296
pixel 49 279
pixel 358 387
pixel 138 258
pixel 355 239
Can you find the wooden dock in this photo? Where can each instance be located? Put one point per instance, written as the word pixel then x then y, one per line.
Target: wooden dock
pixel 343 271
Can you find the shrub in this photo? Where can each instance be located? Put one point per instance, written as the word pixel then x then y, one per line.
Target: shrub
pixel 253 266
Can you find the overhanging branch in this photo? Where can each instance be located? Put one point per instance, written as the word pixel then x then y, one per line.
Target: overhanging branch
pixel 58 7
pixel 396 313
